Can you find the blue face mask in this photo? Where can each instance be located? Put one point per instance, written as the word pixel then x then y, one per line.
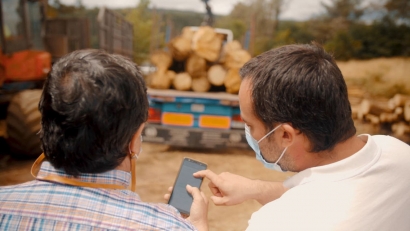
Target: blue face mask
pixel 255 146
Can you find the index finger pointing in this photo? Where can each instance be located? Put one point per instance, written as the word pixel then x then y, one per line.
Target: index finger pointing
pixel 208 174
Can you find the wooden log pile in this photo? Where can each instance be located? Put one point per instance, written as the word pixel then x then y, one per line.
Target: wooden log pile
pixel 199 61
pixel 393 113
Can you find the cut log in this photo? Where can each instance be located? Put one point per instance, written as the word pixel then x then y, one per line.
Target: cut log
pixel 355 110
pixel 406 111
pixel 229 48
pixel 355 92
pixel 195 66
pixel 161 59
pixel 201 84
pixel 171 75
pixel 182 81
pixel 161 79
pixel 232 46
pixel 373 119
pixel 232 81
pixel 400 128
pixel 373 107
pixel 398 100
pixel 236 59
pixel 388 117
pixel 398 111
pixel 207 44
pixel 216 75
pixel 187 33
pixel 355 100
pixel 180 48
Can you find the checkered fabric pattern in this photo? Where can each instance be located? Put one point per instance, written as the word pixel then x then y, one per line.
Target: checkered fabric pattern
pixel 42 205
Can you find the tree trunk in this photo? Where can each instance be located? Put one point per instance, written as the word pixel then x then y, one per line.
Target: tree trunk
pixel 229 48
pixel 196 66
pixel 398 100
pixel 236 59
pixel 201 84
pixel 406 111
pixel 388 117
pixel 180 48
pixel 161 79
pixel 373 119
pixel 216 75
pixel 161 59
pixel 182 82
pixel 399 129
pixel 232 81
pixel 373 107
pixel 207 44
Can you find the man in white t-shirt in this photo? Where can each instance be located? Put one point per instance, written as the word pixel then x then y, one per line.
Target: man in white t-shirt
pixel 295 105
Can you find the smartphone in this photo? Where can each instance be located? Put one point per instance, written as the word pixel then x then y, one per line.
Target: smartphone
pixel 180 197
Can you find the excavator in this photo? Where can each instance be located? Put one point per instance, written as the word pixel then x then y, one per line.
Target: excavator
pixel 30 41
pixel 24 63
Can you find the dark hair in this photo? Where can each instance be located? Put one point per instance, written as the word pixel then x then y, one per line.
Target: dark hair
pixel 92 105
pixel 301 85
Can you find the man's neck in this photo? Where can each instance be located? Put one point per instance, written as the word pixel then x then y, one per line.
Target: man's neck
pixel 125 165
pixel 340 151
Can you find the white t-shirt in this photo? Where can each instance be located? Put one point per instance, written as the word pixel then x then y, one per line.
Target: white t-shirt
pixel 369 190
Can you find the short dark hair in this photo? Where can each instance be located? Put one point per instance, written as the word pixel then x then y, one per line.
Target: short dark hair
pixel 301 85
pixel 92 104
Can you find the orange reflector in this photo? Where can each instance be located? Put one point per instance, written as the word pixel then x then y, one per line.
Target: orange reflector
pixel 208 121
pixel 178 119
pixel 154 115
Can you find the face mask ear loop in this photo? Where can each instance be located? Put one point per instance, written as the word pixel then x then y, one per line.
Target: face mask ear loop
pixel 134 158
pixel 280 157
pixel 269 133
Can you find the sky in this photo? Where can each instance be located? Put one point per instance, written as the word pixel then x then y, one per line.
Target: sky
pixel 295 9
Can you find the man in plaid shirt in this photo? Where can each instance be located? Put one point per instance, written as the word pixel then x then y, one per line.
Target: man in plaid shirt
pixel 94 106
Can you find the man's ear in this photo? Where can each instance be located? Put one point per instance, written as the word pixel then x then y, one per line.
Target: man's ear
pixel 288 135
pixel 135 144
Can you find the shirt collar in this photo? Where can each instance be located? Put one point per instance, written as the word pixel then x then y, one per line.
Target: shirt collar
pixel 343 169
pixel 118 177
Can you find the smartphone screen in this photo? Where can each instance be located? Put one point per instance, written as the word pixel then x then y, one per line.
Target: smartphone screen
pixel 180 198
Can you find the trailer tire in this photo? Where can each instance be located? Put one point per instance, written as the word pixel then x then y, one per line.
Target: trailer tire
pixel 23 123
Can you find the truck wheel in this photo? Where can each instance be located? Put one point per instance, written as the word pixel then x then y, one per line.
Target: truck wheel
pixel 23 123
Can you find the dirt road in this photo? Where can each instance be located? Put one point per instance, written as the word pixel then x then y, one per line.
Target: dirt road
pixel 156 171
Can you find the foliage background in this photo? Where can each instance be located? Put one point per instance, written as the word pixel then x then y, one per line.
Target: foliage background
pixel 349 29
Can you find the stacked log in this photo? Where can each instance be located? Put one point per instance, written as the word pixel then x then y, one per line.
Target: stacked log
pixel 393 113
pixel 198 61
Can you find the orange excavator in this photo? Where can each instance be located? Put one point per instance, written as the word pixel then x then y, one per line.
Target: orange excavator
pixel 24 63
pixel 22 57
pixel 29 43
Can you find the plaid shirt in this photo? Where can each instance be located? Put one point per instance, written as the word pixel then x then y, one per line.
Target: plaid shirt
pixel 42 205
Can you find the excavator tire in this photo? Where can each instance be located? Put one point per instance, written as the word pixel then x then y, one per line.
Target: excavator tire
pixel 23 124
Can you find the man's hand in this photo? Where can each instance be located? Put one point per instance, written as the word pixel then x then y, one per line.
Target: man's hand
pixel 199 209
pixel 231 189
pixel 228 188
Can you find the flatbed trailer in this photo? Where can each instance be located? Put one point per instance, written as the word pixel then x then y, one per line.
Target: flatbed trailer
pixel 193 119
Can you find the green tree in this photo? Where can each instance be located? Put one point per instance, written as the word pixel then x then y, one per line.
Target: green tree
pixel 140 17
pixel 261 17
pixel 343 46
pixel 399 9
pixel 348 10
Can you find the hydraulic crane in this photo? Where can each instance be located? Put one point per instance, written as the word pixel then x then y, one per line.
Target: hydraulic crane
pixel 209 17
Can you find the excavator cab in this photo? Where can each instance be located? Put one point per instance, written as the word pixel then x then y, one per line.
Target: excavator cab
pixel 22 56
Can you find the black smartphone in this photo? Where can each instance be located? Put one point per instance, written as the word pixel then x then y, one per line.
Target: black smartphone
pixel 180 197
